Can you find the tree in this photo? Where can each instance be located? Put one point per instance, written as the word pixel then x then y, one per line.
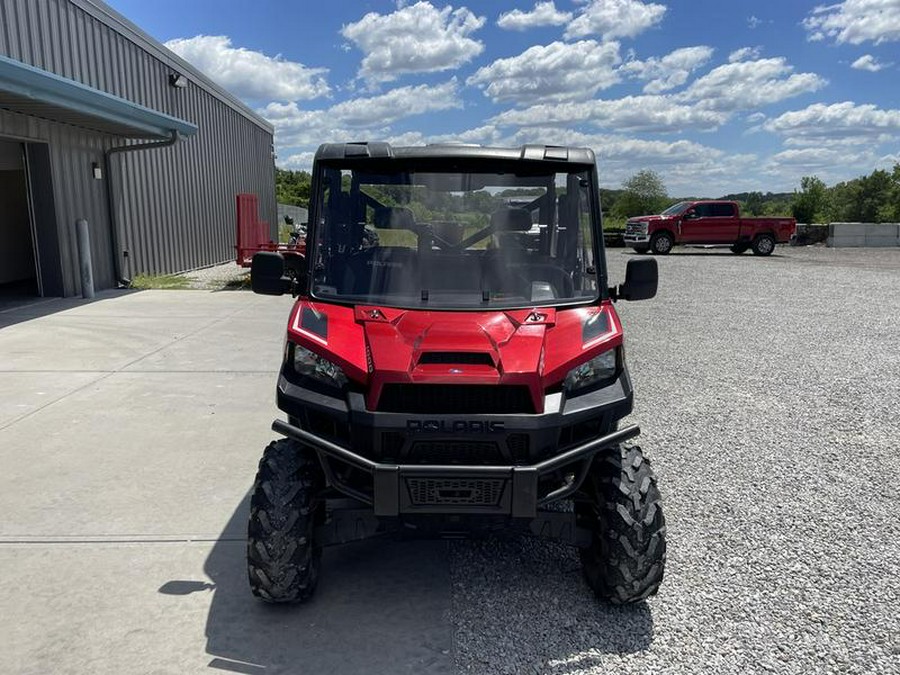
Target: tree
pixel 643 193
pixel 754 203
pixel 809 204
pixel 292 187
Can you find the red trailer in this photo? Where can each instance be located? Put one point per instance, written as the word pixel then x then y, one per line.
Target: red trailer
pixel 253 235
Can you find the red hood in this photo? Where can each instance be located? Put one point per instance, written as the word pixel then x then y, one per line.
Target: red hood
pixel 378 345
pixel 648 219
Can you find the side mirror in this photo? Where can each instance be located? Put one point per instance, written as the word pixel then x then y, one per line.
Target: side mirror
pixel 641 280
pixel 689 215
pixel 267 274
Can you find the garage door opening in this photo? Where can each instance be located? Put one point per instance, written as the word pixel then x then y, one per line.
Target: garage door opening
pixel 18 272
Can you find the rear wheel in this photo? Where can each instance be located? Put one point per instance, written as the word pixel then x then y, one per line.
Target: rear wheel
pixel 282 554
pixel 738 249
pixel 661 243
pixel 641 249
pixel 764 244
pixel 626 559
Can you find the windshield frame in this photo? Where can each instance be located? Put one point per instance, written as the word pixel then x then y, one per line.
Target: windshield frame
pixel 475 165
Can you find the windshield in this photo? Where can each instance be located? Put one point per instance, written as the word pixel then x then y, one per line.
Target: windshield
pixel 453 240
pixel 675 209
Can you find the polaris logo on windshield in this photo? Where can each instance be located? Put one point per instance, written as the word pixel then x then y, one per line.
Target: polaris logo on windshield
pixel 454 426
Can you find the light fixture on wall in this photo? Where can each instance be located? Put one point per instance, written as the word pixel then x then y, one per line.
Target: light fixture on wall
pixel 177 80
pixel 96 171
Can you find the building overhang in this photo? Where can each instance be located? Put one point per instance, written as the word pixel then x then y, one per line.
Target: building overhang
pixel 32 91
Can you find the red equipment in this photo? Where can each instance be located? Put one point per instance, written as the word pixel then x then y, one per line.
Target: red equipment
pixel 253 234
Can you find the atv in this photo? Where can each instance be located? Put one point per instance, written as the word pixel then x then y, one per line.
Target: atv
pixel 462 373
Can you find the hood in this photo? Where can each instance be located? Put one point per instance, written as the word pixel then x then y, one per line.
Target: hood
pixel 647 219
pixel 456 347
pixel 534 348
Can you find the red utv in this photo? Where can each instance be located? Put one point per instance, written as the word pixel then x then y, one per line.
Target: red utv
pixel 460 372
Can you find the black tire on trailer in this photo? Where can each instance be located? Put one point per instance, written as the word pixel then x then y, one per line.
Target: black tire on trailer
pixel 738 249
pixel 662 242
pixel 764 244
pixel 283 557
pixel 641 249
pixel 626 559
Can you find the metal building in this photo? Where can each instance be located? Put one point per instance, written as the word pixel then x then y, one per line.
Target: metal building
pixel 100 121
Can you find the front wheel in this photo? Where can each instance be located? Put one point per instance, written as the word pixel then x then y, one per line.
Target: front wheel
pixel 661 243
pixel 764 244
pixel 282 555
pixel 626 558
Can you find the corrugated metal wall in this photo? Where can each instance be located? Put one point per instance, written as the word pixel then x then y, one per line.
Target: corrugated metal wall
pixel 175 206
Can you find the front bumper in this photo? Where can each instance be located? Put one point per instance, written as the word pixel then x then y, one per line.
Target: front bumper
pixel 513 490
pixel 637 238
pixel 501 464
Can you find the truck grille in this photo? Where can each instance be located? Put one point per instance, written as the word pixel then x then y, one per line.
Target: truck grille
pixel 635 228
pixel 456 491
pixel 454 452
pixel 455 399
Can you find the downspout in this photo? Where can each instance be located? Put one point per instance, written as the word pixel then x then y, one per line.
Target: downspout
pixel 110 200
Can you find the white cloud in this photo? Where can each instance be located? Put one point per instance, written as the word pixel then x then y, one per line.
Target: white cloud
pixel 820 122
pixel 416 38
pixel 631 113
pixel 615 18
pixel 249 74
pixel 855 21
pixel 744 85
pixel 753 22
pixel 297 161
pixel 870 63
pixel 543 14
pixel 396 104
pixel 559 71
pixel 669 71
pixel 809 157
pixel 744 54
pixel 369 117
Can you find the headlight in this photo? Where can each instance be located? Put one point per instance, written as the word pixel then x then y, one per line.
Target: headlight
pixel 599 368
pixel 309 364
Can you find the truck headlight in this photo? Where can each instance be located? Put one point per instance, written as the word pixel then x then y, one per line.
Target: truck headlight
pixel 598 369
pixel 309 364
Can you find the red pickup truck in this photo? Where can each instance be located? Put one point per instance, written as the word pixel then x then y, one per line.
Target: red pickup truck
pixel 707 222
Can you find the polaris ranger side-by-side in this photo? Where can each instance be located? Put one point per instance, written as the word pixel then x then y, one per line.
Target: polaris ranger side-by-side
pixel 454 365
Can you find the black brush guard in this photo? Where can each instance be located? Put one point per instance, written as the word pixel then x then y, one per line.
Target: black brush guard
pixel 447 489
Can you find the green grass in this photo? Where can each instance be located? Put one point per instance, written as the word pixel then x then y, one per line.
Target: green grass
pixel 159 282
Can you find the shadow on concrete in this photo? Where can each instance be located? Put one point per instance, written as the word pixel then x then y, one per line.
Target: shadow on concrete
pixel 381 607
pixel 18 308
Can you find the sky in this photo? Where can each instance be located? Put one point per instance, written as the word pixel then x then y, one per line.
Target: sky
pixel 716 96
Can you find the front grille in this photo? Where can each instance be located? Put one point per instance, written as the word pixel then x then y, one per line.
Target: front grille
pixel 518 445
pixel 454 452
pixel 455 399
pixel 391 444
pixel 635 228
pixel 455 491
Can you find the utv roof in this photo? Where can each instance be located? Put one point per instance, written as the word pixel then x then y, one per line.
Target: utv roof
pixel 527 153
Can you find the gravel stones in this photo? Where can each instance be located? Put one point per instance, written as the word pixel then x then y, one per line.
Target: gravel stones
pixel 768 391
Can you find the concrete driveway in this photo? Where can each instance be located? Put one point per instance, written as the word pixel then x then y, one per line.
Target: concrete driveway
pixel 130 430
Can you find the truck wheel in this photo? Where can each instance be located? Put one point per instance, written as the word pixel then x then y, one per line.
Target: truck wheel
pixel 282 555
pixel 764 244
pixel 661 243
pixel 641 249
pixel 626 559
pixel 738 249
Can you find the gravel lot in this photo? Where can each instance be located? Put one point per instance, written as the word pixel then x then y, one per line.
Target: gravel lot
pixel 767 390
